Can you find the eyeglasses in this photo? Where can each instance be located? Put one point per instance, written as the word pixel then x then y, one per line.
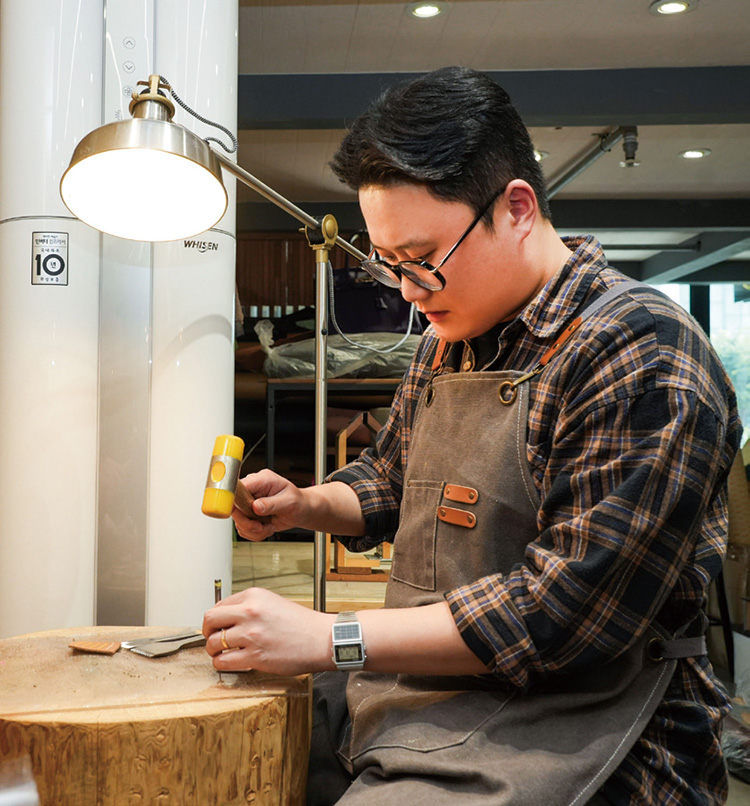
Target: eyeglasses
pixel 420 272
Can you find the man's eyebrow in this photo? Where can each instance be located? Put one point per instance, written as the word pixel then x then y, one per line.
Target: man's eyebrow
pixel 409 245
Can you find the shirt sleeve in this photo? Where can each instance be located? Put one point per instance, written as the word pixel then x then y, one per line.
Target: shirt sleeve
pixel 632 516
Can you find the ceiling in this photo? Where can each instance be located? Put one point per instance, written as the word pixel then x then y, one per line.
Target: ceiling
pixel 576 70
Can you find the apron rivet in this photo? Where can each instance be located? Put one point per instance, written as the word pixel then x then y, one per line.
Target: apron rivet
pixel 442 511
pixel 447 490
pixel 507 393
pixel 654 650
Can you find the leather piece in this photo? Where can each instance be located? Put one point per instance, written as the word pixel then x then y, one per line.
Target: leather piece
pixel 463 495
pixel 458 517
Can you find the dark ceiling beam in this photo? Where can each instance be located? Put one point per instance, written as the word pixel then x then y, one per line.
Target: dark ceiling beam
pixel 580 215
pixel 645 214
pixel 712 248
pixel 731 271
pixel 734 272
pixel 638 96
pixel 266 217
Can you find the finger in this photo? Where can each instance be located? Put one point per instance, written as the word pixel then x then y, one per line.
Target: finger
pixel 213 643
pixel 243 501
pixel 235 660
pixel 257 537
pixel 265 507
pixel 220 616
pixel 249 528
pixel 219 641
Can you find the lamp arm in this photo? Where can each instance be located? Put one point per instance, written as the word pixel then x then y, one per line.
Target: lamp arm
pixel 328 230
pixel 269 193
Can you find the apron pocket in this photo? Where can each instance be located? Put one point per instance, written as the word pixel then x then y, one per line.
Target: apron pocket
pixel 414 559
pixel 421 714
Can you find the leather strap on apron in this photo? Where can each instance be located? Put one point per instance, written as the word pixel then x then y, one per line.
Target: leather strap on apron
pixel 469 510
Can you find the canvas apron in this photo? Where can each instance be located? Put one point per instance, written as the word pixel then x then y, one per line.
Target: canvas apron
pixel 469 510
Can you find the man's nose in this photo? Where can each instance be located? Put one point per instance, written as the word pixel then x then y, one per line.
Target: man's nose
pixel 412 292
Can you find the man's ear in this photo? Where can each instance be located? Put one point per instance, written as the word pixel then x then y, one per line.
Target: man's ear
pixel 523 206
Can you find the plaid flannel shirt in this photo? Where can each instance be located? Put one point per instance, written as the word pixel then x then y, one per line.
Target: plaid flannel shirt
pixel 632 430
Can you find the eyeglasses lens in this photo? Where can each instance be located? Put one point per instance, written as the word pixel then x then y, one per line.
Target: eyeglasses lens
pixel 382 273
pixel 391 276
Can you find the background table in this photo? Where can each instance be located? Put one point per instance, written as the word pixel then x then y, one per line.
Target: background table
pixel 360 392
pixel 125 729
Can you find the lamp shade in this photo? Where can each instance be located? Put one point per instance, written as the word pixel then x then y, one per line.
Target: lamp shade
pixel 145 180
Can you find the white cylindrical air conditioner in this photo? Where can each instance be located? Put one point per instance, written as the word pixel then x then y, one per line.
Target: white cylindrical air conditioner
pixel 168 343
pixel 116 357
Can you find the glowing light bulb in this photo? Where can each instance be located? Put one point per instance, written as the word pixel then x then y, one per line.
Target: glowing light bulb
pixel 695 153
pixel 672 8
pixel 426 10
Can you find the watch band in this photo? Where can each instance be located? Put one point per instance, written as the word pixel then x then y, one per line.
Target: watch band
pixel 348 644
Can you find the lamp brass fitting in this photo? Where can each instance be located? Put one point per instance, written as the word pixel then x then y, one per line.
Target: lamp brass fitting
pixel 322 240
pixel 152 103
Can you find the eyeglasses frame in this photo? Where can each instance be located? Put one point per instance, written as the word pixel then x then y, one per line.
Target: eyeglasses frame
pixel 398 268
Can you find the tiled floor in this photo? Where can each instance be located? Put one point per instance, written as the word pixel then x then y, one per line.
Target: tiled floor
pixel 739 792
pixel 287 568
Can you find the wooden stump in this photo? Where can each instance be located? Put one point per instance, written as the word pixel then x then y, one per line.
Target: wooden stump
pixel 125 729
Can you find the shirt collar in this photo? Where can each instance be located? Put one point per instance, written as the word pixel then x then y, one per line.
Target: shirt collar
pixel 564 292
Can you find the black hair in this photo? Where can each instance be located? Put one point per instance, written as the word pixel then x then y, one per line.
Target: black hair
pixel 453 130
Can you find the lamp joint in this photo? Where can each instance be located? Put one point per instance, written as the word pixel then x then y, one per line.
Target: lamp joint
pixel 152 103
pixel 323 238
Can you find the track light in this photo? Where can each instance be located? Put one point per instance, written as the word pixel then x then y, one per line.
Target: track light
pixel 668 8
pixel 629 146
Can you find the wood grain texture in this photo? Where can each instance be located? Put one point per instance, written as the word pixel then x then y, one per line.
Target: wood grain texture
pixel 134 730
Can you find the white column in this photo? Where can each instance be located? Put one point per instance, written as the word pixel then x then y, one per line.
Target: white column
pixel 50 94
pixel 116 358
pixel 168 343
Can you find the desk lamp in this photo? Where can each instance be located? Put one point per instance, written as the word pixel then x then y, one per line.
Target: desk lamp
pixel 148 179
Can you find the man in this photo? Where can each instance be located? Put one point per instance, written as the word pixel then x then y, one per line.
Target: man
pixel 553 470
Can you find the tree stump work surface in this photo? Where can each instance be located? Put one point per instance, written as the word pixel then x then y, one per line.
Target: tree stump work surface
pixel 128 730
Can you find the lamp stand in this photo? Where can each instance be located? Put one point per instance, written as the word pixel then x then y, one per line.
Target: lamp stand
pixel 321 240
pixel 322 237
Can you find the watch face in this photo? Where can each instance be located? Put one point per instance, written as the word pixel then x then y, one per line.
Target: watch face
pixel 348 653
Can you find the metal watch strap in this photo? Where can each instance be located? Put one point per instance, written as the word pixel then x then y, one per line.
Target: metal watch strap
pixel 348 646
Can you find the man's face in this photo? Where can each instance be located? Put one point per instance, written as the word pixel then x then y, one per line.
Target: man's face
pixel 486 278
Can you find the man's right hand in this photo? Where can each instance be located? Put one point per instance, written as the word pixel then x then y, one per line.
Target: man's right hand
pixel 277 505
pixel 332 507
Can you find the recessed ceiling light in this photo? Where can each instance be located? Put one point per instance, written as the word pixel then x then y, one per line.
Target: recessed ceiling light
pixel 695 153
pixel 540 155
pixel 424 11
pixel 671 7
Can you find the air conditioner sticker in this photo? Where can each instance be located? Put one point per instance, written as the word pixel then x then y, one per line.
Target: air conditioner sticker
pixel 49 258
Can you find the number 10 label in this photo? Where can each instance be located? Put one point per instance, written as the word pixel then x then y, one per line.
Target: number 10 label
pixel 49 258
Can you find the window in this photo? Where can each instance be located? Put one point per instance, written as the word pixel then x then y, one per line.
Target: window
pixel 730 335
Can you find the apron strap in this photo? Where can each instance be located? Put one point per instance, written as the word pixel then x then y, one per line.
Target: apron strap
pixel 615 291
pixel 440 354
pixel 507 395
pixel 659 649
